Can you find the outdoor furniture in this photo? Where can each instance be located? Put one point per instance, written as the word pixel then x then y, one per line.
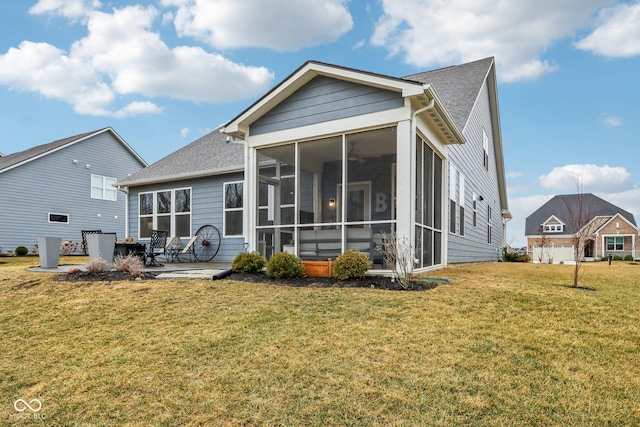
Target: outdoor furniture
pixel 156 247
pixel 203 246
pixel 131 248
pixel 84 233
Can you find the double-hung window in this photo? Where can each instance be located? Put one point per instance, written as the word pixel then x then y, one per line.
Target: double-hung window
pixel 233 206
pixel 102 187
pixel 615 243
pixel 165 210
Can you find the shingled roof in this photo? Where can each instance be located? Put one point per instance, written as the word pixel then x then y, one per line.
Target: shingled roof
pixel 458 86
pixel 209 155
pixel 13 160
pixel 561 205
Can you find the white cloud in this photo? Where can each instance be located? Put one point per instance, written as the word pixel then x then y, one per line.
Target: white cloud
pixel 586 178
pixel 521 208
pixel 73 9
pixel 184 132
pixel 617 33
pixel 281 25
pixel 121 55
pixel 137 107
pixel 435 32
pixel 611 121
pixel 514 174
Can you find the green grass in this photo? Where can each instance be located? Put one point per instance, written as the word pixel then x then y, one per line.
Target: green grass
pixel 503 344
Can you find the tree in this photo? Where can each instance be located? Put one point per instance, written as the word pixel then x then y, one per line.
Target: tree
pixel 543 243
pixel 580 215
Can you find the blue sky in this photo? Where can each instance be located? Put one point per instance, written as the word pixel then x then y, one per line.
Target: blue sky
pixel 163 73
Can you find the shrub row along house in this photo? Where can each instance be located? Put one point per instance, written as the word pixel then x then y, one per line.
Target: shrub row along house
pixel 335 158
pixel 60 188
pixel 330 159
pixel 553 229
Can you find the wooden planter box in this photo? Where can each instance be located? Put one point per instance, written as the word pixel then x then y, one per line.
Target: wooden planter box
pixel 318 268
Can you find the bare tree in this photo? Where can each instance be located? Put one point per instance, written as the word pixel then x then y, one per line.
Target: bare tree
pixel 543 243
pixel 581 220
pixel 399 255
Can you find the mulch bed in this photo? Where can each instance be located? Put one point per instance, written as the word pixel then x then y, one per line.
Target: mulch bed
pixel 372 282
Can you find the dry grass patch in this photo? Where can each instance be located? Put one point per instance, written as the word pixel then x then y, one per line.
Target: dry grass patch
pixel 504 344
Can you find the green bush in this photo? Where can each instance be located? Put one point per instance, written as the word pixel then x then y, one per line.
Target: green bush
pixel 515 257
pixel 351 265
pixel 284 265
pixel 21 251
pixel 617 257
pixel 248 262
pixel 628 258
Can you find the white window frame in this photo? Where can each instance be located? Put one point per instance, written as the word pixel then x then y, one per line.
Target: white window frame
pixel 485 149
pixel 553 228
pixel 489 226
pixel 104 187
pixel 173 214
pixel 225 209
pixel 57 222
pixel 615 243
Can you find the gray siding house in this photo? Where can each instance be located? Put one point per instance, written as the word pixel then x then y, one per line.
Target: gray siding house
pixel 200 184
pixel 60 188
pixel 335 158
pixel 343 156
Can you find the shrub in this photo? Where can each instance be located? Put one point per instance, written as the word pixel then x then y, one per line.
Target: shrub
pixel 97 265
pixel 351 265
pixel 515 257
pixel 628 258
pixel 284 265
pixel 131 264
pixel 248 262
pixel 617 258
pixel 21 251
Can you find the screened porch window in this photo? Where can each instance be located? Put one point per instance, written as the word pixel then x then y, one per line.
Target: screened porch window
pixel 428 223
pixel 321 189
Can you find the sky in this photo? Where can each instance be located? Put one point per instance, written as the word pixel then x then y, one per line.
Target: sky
pixel 163 73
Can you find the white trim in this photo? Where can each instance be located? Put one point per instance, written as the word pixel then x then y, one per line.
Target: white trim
pixel 236 209
pixel 58 222
pixel 103 187
pixel 172 214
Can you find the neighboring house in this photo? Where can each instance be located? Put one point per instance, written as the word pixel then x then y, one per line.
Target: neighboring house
pixel 337 156
pixel 551 229
pixel 60 188
pixel 200 184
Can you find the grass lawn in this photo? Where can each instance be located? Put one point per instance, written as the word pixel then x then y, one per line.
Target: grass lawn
pixel 503 344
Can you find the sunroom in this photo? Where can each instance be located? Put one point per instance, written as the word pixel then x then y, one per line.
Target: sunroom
pixel 351 181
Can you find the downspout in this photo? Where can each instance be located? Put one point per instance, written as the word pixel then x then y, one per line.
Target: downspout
pixel 125 190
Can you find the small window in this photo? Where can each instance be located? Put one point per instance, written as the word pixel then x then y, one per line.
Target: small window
pixel 61 218
pixel 553 228
pixel 474 212
pixel 485 150
pixel 489 225
pixel 102 187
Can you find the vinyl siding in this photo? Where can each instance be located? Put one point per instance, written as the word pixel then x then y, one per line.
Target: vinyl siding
pixel 207 200
pixel 324 99
pixel 53 183
pixel 468 160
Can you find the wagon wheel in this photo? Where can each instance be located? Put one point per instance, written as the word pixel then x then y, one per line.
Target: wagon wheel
pixel 207 243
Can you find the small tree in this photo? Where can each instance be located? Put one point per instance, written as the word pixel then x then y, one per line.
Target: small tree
pixel 543 243
pixel 581 220
pixel 398 254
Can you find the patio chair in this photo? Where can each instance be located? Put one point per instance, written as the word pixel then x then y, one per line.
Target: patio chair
pixel 156 247
pixel 84 238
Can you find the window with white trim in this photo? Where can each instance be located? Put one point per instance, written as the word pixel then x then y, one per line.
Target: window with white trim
pixel 485 149
pixel 102 187
pixel 59 218
pixel 615 243
pixel 489 225
pixel 165 210
pixel 233 207
pixel 553 228
pixel 461 202
pixel 453 190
